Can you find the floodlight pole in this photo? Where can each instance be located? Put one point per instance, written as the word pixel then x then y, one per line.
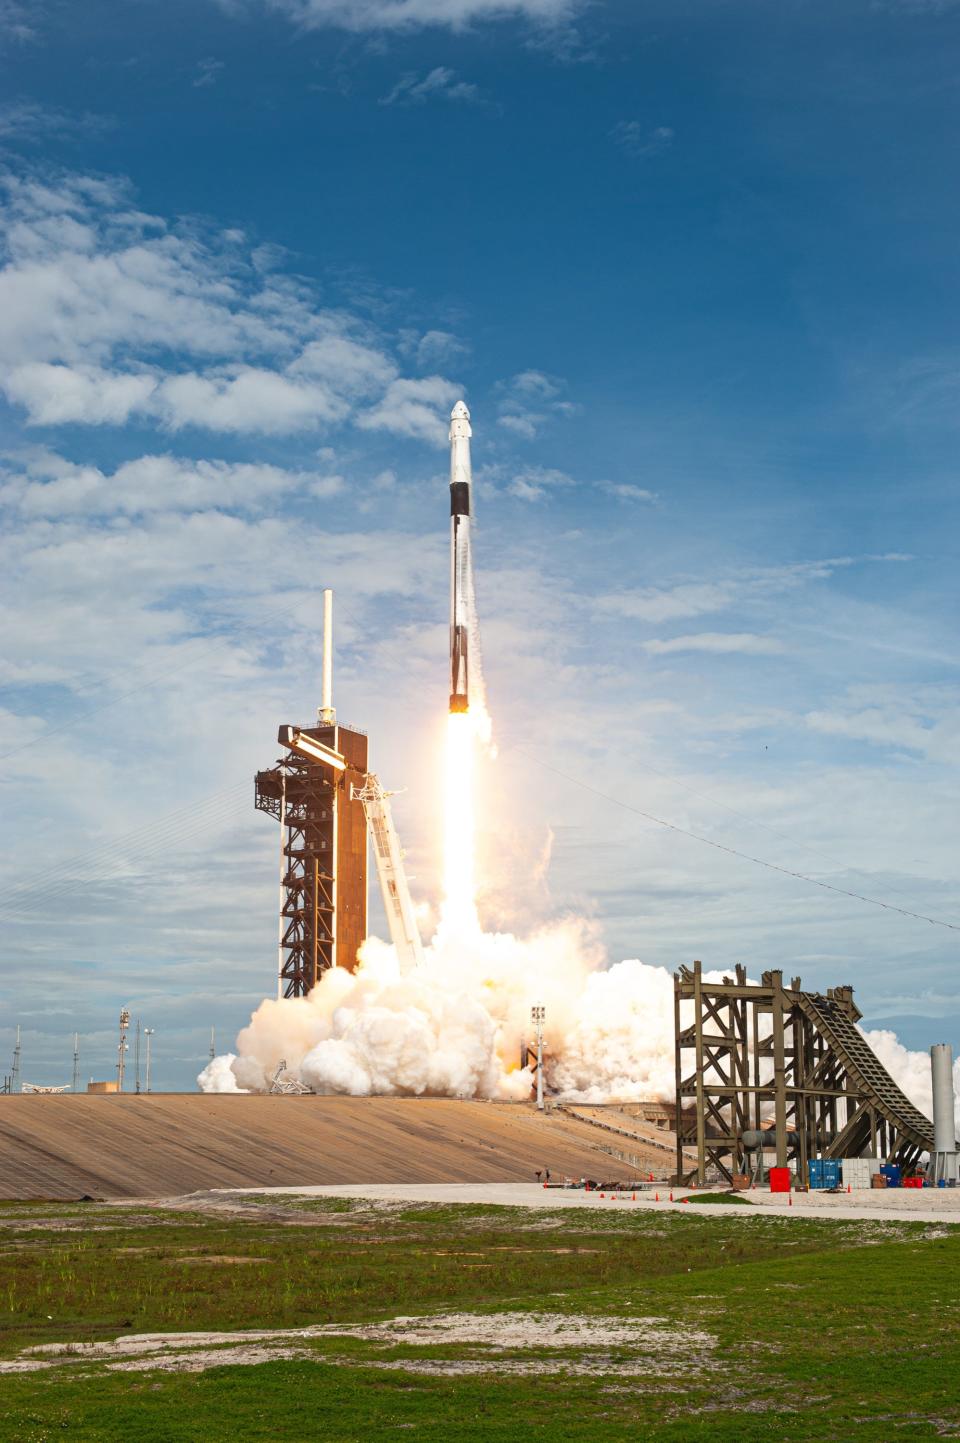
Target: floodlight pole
pixel 148 1033
pixel 537 1017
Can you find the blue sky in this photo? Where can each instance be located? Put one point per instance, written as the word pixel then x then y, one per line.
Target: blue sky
pixel 694 267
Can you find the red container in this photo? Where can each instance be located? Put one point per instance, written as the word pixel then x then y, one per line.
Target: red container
pixel 779 1179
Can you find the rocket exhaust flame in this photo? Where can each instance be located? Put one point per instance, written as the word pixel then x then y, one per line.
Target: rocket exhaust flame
pixel 459 905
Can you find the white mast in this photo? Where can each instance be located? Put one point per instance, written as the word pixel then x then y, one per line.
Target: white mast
pixel 327 715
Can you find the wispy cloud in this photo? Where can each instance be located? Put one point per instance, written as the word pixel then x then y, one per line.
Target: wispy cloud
pixel 433 348
pixel 373 15
pixel 694 598
pixel 207 72
pixel 25 120
pixel 639 141
pixel 627 491
pixel 528 400
pixel 17 20
pixel 441 83
pixel 721 642
pixel 45 484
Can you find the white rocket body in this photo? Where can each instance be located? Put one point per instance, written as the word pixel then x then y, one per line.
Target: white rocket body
pixel 461 581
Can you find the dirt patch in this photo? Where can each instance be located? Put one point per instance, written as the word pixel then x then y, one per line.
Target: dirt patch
pixel 561 1341
pixel 218 1258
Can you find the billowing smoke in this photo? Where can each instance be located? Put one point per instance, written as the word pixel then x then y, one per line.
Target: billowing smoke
pixel 454 1027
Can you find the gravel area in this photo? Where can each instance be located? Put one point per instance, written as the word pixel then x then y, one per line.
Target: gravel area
pixel 908 1204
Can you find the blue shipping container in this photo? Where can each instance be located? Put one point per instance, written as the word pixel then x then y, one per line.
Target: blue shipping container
pixel 824 1172
pixel 891 1171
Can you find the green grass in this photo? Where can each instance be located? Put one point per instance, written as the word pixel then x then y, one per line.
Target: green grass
pixel 720 1197
pixel 823 1329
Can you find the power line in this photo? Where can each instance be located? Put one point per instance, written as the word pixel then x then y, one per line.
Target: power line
pixel 732 851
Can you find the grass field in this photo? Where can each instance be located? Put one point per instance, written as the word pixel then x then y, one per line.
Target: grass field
pixel 515 1325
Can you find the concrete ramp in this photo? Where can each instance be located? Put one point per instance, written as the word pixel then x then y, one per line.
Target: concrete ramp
pixel 172 1143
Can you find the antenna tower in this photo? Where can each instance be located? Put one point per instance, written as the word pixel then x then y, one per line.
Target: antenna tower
pixel 76 1062
pixel 15 1075
pixel 121 1050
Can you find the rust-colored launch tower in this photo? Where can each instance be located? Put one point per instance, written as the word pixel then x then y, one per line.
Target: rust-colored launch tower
pixel 323 842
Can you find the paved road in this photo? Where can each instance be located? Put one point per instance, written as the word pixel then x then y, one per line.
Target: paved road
pixel 900 1204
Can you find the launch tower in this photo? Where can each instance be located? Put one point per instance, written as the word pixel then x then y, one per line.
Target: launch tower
pixel 323 840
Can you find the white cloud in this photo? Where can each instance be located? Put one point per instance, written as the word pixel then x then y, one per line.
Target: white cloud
pixel 753 584
pixel 923 720
pixel 108 315
pixel 437 348
pixel 441 83
pixel 17 20
pixel 722 642
pixel 627 491
pixel 530 399
pixel 364 15
pixel 639 141
pixel 533 482
pixel 53 395
pixel 418 408
pixel 207 72
pixel 47 485
pixel 672 603
pixel 25 120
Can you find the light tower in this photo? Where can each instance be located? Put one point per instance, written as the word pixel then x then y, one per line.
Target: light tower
pixel 15 1075
pixel 122 1047
pixel 538 1015
pixel 76 1062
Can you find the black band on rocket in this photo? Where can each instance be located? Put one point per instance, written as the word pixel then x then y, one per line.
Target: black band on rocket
pixel 459 498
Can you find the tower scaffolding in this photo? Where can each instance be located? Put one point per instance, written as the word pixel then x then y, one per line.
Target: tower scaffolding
pixel 770 1054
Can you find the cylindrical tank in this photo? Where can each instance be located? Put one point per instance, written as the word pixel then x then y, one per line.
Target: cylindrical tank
pixel 944 1160
pixel 944 1125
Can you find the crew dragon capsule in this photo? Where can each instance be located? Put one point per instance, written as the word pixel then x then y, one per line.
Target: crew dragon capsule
pixel 461 577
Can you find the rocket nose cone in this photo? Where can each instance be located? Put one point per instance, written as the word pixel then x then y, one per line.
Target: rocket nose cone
pixel 460 412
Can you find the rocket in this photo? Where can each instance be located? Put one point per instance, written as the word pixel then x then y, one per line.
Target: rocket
pixel 461 579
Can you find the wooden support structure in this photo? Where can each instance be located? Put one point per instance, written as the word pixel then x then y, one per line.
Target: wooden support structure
pixel 775 1060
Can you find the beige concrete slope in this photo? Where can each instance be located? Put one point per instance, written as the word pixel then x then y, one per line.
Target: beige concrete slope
pixel 166 1144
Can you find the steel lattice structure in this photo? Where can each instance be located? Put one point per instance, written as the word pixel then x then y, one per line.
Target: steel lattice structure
pixel 776 1067
pixel 323 911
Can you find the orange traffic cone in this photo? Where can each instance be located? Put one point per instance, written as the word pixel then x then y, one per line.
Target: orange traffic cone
pixel 848 1187
pixel 671 1197
pixel 790 1200
pixel 657 1198
pixel 634 1197
pixel 603 1194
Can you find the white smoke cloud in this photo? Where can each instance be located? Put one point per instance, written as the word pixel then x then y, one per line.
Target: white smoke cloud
pixel 218 1075
pixel 454 1027
pixel 911 1071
